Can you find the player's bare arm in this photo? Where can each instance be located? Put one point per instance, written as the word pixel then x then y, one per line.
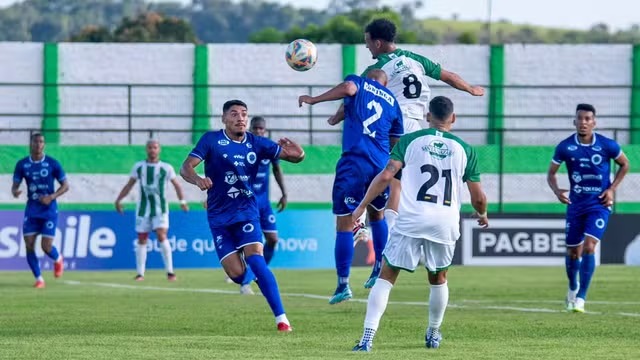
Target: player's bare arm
pixel 379 183
pixel 15 190
pixel 47 199
pixel 552 180
pixel 623 168
pixel 188 173
pixel 337 117
pixel 180 194
pixel 340 91
pixel 277 174
pixel 454 80
pixel 123 193
pixel 479 202
pixel 291 151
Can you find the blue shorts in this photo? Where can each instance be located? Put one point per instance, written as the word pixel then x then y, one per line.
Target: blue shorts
pixel 267 217
pixel 44 226
pixel 352 180
pixel 592 223
pixel 231 238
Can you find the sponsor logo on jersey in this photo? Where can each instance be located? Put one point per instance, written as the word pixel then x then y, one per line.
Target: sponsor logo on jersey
pixel 26 165
pixel 597 148
pixel 225 156
pixel 33 188
pixel 230 177
pixel 576 177
pixel 265 161
pixel 587 189
pixel 239 163
pixel 437 149
pixel 249 146
pixel 237 156
pixel 572 148
pixel 223 142
pixel 349 200
pixel 233 192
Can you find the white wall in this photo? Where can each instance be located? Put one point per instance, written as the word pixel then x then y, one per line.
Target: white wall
pixel 20 63
pixel 141 64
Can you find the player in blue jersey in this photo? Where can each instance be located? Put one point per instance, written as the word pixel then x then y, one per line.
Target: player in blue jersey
pixel 373 124
pixel 231 158
pixel 41 214
pixel 587 156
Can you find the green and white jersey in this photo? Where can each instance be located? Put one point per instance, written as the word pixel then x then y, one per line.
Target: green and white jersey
pixel 407 74
pixel 153 178
pixel 435 166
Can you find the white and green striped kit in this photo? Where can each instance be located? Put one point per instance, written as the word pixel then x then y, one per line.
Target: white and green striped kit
pixel 436 164
pixel 153 178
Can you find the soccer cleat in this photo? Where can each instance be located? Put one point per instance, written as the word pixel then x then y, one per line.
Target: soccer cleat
pixel 343 293
pixel 578 306
pixel 570 300
pixel 366 347
pixel 433 338
pixel 370 282
pixel 171 277
pixel 58 267
pixel 360 233
pixel 39 284
pixel 139 278
pixel 569 305
pixel 247 290
pixel 284 327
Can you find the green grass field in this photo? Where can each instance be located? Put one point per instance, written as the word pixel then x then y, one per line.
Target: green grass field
pixel 494 313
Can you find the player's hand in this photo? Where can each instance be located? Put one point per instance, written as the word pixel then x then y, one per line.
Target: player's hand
pixel 184 207
pixel 357 214
pixel 483 220
pixel 290 149
pixel 16 193
pixel 606 198
pixel 476 91
pixel 46 199
pixel 204 183
pixel 119 207
pixel 561 194
pixel 282 203
pixel 305 99
pixel 333 120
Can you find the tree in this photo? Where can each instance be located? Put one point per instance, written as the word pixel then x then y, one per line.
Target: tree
pixel 468 37
pixel 267 35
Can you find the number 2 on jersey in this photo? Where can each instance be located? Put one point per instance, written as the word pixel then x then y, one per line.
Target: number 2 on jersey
pixel 434 176
pixel 373 118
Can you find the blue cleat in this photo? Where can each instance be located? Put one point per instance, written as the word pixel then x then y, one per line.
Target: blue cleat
pixel 343 293
pixel 374 276
pixel 366 347
pixel 433 338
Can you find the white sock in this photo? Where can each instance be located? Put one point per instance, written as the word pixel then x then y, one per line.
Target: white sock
pixel 141 258
pixel 438 300
pixel 377 303
pixel 166 256
pixel 282 318
pixel 390 215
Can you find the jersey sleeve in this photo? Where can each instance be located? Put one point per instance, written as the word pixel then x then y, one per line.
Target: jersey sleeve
pixel 431 69
pixel 17 173
pixel 558 155
pixel 171 172
pixel 377 65
pixel 397 126
pixel 134 171
pixel 268 149
pixel 202 148
pixel 471 172
pixel 614 150
pixel 59 173
pixel 357 80
pixel 400 149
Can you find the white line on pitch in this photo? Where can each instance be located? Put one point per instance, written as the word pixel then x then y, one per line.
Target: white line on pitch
pixel 320 297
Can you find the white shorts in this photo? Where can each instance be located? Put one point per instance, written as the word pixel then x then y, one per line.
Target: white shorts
pixel 411 125
pixel 404 252
pixel 145 224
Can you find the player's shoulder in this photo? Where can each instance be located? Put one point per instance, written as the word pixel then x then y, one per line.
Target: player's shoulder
pixel 51 160
pixel 569 142
pixel 605 140
pixel 22 161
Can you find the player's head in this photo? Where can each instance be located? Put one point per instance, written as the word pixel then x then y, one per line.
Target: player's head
pixel 234 117
pixel 378 75
pixel 585 119
pixel 258 126
pixel 153 150
pixel 379 36
pixel 36 144
pixel 441 112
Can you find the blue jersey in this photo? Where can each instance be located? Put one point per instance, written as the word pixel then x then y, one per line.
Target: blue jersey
pixel 232 166
pixel 261 184
pixel 39 176
pixel 372 115
pixel 589 168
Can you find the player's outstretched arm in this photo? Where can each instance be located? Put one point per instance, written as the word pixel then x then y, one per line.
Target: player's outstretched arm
pixel 454 80
pixel 479 202
pixel 608 195
pixel 340 91
pixel 379 183
pixel 337 117
pixel 291 151
pixel 183 203
pixel 188 173
pixel 123 193
pixel 552 180
pixel 277 174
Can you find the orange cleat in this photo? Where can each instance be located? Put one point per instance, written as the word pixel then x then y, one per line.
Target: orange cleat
pixel 39 284
pixel 171 277
pixel 284 327
pixel 58 268
pixel 139 278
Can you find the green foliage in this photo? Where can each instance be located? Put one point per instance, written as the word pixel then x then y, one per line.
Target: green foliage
pixel 267 35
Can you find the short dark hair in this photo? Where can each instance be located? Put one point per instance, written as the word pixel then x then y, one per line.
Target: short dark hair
pixel 441 107
pixel 36 135
pixel 256 119
pixel 586 107
pixel 231 103
pixel 381 29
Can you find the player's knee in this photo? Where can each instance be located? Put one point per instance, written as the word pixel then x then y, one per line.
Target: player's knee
pixel 573 253
pixel 438 278
pixel 142 238
pixel 375 215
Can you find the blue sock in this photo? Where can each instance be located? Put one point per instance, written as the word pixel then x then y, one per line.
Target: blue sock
pixel 587 268
pixel 267 283
pixel 268 252
pixel 573 266
pixel 343 252
pixel 249 276
pixel 32 260
pixel 380 234
pixel 53 254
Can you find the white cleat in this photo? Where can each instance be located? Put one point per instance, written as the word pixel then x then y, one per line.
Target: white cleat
pixel 578 305
pixel 246 290
pixel 570 300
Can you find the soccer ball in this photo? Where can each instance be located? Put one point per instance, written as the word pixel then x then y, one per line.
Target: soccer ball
pixel 301 55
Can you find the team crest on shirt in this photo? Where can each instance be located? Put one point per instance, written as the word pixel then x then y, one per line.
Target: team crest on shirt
pixel 252 157
pixel 45 172
pixel 437 149
pixel 596 159
pixel 576 177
